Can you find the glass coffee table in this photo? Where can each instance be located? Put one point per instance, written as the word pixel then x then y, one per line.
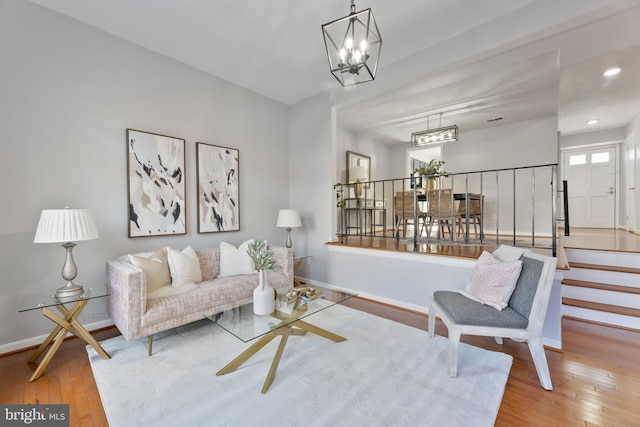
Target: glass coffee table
pixel 285 321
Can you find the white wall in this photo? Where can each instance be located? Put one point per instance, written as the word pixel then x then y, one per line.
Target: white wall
pixel 313 173
pixel 67 94
pixel 528 143
pixel 590 138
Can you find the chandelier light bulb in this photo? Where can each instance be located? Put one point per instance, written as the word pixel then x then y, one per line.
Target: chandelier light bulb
pixel 348 43
pixel 612 71
pixel 363 46
pixel 357 55
pixel 343 54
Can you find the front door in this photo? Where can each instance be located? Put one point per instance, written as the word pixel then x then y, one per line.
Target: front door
pixel 591 180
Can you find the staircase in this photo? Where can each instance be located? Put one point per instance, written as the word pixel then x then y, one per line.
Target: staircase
pixel 602 287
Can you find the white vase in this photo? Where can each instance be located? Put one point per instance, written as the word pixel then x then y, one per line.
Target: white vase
pixel 263 296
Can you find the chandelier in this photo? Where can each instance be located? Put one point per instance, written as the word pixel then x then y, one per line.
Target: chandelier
pixel 353 46
pixel 435 136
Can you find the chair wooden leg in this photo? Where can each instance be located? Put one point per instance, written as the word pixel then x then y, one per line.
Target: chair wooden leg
pixel 149 345
pixel 454 341
pixel 540 361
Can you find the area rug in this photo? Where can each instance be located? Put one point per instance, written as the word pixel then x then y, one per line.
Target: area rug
pixel 385 374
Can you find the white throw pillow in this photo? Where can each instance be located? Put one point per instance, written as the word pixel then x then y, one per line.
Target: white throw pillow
pixel 184 266
pixel 235 261
pixel 507 253
pixel 156 268
pixel 492 281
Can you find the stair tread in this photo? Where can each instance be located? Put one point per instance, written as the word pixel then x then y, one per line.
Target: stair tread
pixel 615 309
pixel 604 267
pixel 602 286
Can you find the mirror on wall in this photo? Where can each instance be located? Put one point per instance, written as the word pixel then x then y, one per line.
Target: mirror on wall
pixel 358 167
pixel 418 157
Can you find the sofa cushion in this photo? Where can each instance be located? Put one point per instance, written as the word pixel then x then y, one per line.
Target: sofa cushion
pixel 209 263
pixel 184 266
pixel 155 267
pixel 235 261
pixel 492 281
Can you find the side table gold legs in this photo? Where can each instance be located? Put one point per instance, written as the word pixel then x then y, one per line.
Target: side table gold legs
pixel 296 282
pixel 284 332
pixel 66 324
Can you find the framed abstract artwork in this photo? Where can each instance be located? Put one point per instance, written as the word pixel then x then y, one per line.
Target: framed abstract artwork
pixel 218 188
pixel 156 181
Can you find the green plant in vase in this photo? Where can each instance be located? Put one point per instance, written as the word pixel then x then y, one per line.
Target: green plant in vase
pixel 263 257
pixel 264 260
pixel 432 171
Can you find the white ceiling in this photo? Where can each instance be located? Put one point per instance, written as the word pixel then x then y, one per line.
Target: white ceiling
pixel 276 48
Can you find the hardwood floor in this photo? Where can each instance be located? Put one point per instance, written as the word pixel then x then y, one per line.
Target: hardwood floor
pixel 596 379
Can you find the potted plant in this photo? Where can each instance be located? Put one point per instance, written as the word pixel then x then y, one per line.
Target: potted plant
pixel 264 260
pixel 432 171
pixel 340 203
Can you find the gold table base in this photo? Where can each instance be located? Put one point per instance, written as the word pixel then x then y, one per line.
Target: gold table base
pixel 66 324
pixel 297 327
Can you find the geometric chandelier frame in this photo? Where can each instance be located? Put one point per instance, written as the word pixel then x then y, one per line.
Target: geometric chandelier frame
pixel 353 45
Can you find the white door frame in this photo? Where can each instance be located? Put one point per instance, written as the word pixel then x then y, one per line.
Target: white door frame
pixel 612 144
pixel 629 165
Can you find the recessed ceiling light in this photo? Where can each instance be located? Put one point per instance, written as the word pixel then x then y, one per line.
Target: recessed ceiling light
pixel 592 121
pixel 612 71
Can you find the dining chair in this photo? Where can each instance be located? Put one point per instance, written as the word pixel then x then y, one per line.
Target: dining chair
pixel 406 210
pixel 474 218
pixel 441 209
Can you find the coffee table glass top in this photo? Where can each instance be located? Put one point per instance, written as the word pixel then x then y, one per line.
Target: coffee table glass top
pixel 245 325
pixel 49 299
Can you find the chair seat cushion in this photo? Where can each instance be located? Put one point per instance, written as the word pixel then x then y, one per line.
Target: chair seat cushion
pixel 467 312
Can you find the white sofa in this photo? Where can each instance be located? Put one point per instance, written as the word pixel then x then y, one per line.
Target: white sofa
pixel 137 315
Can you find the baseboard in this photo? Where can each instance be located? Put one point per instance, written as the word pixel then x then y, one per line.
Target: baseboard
pixel 35 341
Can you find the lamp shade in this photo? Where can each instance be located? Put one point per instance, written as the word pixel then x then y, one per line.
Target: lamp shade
pixel 65 225
pixel 288 218
pixel 358 173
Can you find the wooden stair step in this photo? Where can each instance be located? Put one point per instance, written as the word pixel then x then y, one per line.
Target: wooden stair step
pixel 615 309
pixel 604 268
pixel 602 286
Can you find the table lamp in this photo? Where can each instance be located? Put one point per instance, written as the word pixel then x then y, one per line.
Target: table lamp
pixel 67 226
pixel 289 219
pixel 358 175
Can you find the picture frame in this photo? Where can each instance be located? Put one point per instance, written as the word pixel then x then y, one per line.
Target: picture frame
pixel 358 168
pixel 218 172
pixel 156 184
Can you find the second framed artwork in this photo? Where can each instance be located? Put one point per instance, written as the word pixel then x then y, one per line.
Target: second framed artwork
pixel 218 188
